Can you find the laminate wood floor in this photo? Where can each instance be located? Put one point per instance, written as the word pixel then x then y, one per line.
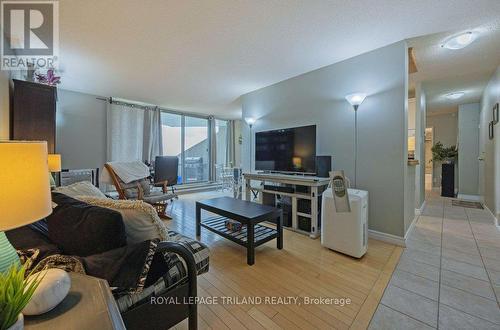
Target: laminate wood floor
pixel 302 270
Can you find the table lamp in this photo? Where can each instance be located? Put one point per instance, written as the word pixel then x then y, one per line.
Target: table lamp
pixel 25 192
pixel 54 167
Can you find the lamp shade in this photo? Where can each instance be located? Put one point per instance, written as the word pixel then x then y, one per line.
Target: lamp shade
pixel 250 120
pixel 297 162
pixel 24 181
pixel 54 163
pixel 355 99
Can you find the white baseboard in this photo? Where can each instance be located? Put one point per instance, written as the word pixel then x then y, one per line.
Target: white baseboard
pixel 412 226
pixel 475 198
pixel 388 238
pixel 420 210
pixel 497 223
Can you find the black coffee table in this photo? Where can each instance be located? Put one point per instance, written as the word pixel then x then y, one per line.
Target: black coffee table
pixel 249 214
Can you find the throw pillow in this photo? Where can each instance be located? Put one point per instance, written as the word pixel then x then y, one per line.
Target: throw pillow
pixel 82 229
pixel 141 219
pixel 83 188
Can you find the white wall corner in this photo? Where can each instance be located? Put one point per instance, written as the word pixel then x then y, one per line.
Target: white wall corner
pixel 388 238
pixel 420 210
pixel 412 226
pixel 497 223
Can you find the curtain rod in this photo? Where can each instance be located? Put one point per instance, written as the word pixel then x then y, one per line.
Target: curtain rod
pixel 152 107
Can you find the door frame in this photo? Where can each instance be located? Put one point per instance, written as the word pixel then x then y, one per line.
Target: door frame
pixel 429 160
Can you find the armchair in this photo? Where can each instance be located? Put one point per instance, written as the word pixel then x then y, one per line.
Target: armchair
pixel 134 318
pixel 166 171
pixel 141 189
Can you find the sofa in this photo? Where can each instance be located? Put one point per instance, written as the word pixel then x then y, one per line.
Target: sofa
pixel 92 239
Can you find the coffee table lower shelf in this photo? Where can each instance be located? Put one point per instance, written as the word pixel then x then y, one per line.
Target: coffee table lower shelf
pixel 262 234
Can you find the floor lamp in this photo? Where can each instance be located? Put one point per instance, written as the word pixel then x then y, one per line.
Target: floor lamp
pixel 355 99
pixel 250 121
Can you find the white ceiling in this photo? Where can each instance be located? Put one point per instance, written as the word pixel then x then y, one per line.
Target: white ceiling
pixel 201 56
pixel 469 69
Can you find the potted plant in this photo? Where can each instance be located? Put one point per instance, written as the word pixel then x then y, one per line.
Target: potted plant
pixel 440 153
pixel 16 291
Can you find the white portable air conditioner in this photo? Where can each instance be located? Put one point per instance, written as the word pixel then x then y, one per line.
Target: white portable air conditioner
pixel 345 232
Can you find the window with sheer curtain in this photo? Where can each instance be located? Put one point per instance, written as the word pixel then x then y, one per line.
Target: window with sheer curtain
pixel 133 133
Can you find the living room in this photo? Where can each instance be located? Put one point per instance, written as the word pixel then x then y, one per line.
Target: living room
pixel 250 165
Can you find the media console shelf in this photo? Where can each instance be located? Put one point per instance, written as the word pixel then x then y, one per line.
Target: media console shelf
pixel 315 186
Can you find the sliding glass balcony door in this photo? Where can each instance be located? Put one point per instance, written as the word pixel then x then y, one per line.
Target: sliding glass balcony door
pixel 196 150
pixel 187 138
pixel 221 143
pixel 172 138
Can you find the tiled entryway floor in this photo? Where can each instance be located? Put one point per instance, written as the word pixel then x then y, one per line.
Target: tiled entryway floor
pixel 448 276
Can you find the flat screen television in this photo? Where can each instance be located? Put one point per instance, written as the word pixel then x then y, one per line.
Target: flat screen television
pixel 286 150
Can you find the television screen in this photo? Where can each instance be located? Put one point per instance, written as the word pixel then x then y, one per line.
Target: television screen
pixel 286 150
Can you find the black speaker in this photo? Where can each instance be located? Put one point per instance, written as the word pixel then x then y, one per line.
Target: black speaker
pixel 323 166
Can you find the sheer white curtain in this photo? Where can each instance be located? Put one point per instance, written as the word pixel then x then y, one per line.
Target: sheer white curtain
pixel 213 148
pixel 152 144
pixel 133 133
pixel 230 150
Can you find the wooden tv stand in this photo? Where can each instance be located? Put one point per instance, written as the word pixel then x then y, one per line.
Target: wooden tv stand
pixel 315 184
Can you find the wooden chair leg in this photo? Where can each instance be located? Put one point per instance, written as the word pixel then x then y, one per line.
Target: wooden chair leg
pixel 161 209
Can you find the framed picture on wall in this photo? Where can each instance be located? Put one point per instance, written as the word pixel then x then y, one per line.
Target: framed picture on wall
pixel 490 130
pixel 495 114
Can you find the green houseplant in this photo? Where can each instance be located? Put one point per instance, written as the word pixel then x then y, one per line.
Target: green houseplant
pixel 16 291
pixel 440 153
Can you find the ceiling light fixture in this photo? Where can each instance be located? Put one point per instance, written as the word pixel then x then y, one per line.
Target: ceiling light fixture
pixel 455 95
pixel 460 41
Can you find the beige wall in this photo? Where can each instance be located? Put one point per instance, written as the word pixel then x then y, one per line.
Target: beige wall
pixel 80 130
pixel 468 149
pixel 489 150
pixel 420 154
pixel 318 98
pixel 4 105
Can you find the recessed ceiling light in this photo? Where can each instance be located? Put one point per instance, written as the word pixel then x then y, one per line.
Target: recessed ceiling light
pixel 455 95
pixel 460 41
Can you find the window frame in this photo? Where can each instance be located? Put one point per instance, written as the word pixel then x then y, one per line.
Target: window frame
pixel 212 162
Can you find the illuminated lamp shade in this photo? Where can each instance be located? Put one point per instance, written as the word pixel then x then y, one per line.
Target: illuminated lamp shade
pixel 54 163
pixel 297 162
pixel 355 99
pixel 250 120
pixel 25 194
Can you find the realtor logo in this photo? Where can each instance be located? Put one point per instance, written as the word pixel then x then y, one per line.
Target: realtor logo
pixel 30 34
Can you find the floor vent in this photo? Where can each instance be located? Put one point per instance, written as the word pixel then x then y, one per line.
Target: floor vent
pixel 468 204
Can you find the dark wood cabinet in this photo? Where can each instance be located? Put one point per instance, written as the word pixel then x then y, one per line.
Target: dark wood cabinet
pixel 448 180
pixel 33 113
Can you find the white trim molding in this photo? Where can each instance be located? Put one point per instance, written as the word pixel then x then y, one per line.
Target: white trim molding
pixel 388 238
pixel 420 210
pixel 412 226
pixel 475 198
pixel 497 223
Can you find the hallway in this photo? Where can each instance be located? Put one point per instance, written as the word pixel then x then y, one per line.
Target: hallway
pixel 449 274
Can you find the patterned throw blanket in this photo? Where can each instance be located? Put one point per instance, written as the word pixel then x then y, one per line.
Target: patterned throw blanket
pixel 126 269
pixel 134 272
